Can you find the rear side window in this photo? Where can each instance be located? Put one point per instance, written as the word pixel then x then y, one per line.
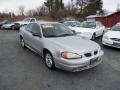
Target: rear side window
pixel 29 27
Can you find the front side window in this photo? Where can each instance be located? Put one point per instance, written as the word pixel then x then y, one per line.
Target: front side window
pixel 29 27
pixel 56 30
pixel 33 28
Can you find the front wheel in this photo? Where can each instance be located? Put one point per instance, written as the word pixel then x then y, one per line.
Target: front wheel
pixel 103 33
pixel 22 42
pixel 49 61
pixel 93 37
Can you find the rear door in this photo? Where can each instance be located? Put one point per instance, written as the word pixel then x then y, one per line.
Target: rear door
pixel 28 34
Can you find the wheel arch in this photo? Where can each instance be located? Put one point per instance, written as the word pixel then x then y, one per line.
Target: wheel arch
pixel 21 37
pixel 45 50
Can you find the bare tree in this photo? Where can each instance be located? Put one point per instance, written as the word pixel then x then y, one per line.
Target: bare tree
pixel 30 12
pixel 21 10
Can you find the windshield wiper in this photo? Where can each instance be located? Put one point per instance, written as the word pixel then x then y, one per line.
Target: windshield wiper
pixel 51 36
pixel 62 35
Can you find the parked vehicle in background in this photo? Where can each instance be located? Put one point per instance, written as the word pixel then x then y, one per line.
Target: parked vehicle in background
pixel 26 21
pixel 9 25
pixel 3 22
pixel 112 37
pixel 72 24
pixel 92 29
pixel 60 47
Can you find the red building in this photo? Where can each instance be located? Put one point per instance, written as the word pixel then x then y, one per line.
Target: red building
pixel 107 20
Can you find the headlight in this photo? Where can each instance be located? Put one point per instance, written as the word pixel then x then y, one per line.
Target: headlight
pixel 105 37
pixel 69 55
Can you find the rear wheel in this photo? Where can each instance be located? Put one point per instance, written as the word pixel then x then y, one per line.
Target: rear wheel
pixel 13 27
pixel 49 61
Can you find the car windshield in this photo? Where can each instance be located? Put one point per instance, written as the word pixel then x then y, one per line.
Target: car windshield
pixel 88 25
pixel 56 30
pixel 73 24
pixel 115 28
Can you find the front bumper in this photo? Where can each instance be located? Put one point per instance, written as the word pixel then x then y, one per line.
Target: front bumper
pixel 79 65
pixel 111 43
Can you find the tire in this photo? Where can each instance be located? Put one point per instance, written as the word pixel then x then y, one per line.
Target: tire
pixel 22 42
pixel 103 33
pixel 49 61
pixel 93 37
pixel 13 27
pixel 2 27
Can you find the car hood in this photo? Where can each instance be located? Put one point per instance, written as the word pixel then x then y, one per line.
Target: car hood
pixel 82 30
pixel 113 34
pixel 74 43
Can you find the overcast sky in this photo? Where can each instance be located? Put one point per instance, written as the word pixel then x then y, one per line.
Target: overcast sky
pixel 11 5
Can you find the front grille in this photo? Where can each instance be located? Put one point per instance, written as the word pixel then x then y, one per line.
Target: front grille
pixel 88 54
pixel 116 39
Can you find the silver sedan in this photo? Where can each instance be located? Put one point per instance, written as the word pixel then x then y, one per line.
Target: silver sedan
pixel 60 47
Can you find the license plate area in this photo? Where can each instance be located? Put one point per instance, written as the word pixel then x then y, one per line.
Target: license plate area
pixel 94 60
pixel 116 44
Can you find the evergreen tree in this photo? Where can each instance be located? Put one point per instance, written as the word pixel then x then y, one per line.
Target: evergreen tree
pixel 93 7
